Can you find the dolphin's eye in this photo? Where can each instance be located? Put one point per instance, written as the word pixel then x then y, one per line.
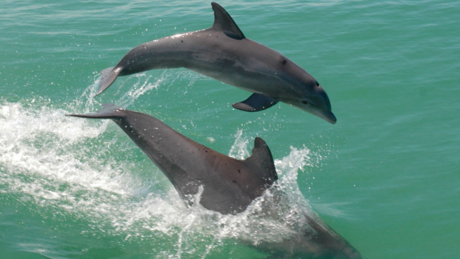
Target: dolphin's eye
pixel 316 82
pixel 305 102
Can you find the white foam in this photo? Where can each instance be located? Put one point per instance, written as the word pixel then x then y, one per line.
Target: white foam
pixel 65 165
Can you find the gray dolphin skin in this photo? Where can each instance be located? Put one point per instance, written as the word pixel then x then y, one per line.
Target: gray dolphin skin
pixel 222 52
pixel 227 185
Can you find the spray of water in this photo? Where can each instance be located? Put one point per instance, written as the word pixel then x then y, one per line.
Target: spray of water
pixel 66 166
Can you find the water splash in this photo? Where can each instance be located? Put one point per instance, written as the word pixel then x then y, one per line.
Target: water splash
pixel 145 83
pixel 83 169
pixel 140 88
pixel 239 148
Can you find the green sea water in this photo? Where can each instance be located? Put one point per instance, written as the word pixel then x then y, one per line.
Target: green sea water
pixel 386 176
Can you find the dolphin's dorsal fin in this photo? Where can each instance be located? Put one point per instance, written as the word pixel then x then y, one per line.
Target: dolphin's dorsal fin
pixel 262 158
pixel 224 22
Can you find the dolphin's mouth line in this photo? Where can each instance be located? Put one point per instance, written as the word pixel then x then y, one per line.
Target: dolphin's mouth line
pixel 316 107
pixel 323 113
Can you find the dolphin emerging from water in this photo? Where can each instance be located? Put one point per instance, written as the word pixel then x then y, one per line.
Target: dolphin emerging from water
pixel 224 53
pixel 227 185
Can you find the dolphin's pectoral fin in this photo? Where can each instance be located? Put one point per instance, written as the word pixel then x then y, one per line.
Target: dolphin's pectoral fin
pixel 108 75
pixel 224 22
pixel 262 158
pixel 256 102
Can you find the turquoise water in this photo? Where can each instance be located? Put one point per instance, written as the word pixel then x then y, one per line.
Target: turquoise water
pixel 385 176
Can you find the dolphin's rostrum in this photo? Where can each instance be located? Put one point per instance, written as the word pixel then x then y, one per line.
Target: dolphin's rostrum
pixel 228 185
pixel 224 53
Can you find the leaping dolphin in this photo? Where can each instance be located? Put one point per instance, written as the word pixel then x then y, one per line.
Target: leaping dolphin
pixel 224 53
pixel 228 185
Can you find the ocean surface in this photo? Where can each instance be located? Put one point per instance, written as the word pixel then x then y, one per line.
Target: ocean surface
pixel 386 177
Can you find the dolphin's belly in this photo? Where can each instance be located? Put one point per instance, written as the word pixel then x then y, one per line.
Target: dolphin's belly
pixel 235 72
pixel 241 63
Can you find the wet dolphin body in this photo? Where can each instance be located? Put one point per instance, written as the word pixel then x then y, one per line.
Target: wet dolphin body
pixel 224 53
pixel 228 185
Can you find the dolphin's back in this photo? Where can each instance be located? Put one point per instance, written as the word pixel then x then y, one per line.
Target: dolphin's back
pixel 229 185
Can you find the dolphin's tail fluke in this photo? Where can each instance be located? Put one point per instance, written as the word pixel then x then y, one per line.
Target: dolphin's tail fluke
pixel 108 76
pixel 108 111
